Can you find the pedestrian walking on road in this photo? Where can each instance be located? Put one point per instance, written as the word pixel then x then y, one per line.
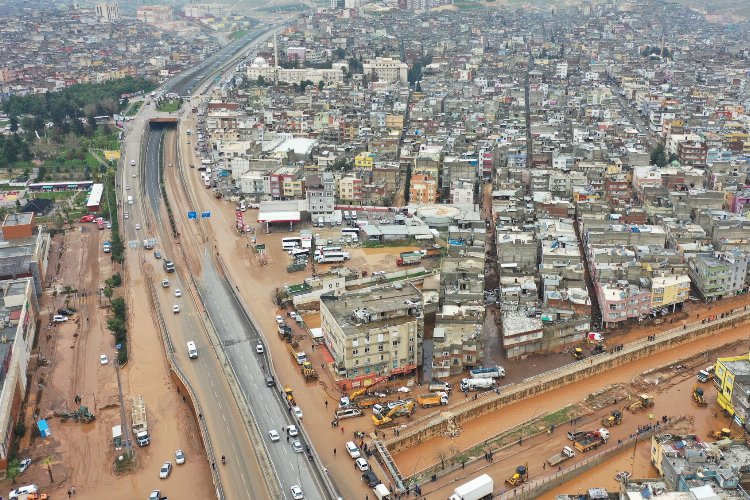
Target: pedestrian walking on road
pixel 544 465
pixel 70 493
pixel 342 429
pixel 334 452
pixel 326 403
pixel 287 438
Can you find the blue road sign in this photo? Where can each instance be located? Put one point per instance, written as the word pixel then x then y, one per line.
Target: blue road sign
pixel 205 215
pixel 192 215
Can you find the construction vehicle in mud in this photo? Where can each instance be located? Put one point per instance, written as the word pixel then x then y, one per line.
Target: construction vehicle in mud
pixel 360 396
pixel 308 371
pixel 289 395
pixel 405 409
pixel 299 356
pixel 724 433
pixel 520 476
pixel 698 396
pixel 82 414
pixel 615 418
pixel 432 399
pixel 644 401
pixel 566 453
pixel 592 440
pixel 599 348
pixel 140 424
pixel 578 353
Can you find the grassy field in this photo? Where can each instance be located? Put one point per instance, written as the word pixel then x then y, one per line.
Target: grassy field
pixel 134 108
pixel 169 106
pixel 238 34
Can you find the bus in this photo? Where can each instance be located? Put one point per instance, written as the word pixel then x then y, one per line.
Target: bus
pixel 291 242
pixel 350 231
pixel 325 258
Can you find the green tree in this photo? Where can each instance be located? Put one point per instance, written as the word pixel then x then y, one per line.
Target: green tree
pixel 407 184
pixel 109 292
pixel 13 470
pixel 119 307
pixel 48 461
pixel 58 221
pixel 321 84
pixel 13 123
pixel 658 156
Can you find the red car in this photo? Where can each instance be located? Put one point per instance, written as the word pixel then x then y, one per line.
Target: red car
pixel 87 218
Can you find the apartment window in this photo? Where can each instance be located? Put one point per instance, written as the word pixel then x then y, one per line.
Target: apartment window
pixel 367 350
pixel 355 352
pixel 411 348
pixel 382 357
pixel 395 343
pixel 613 307
pixel 380 348
pixel 469 357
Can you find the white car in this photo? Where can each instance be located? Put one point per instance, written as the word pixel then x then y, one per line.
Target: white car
pixel 177 292
pixel 127 187
pixel 297 411
pixel 292 431
pixel 165 283
pixel 126 215
pixel 175 308
pixel 274 435
pixel 103 359
pixel 133 174
pixel 279 320
pixel 109 225
pixel 259 348
pixel 297 492
pixel 165 470
pixel 23 465
pixel 179 457
pixel 59 318
pixel 297 446
pixel 362 464
pixel 155 495
pixel 137 227
pixel 352 449
pixel 293 315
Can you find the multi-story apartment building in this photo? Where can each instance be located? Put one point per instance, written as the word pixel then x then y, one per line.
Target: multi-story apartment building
pixel 321 196
pixel 423 189
pixel 154 14
pixel 692 153
pixel 462 192
pixel 669 291
pixel 622 301
pixel 350 190
pixel 718 274
pixel 377 330
pixel 732 377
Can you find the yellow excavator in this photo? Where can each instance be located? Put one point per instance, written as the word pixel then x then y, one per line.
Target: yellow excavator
pixel 397 411
pixel 289 395
pixel 521 475
pixel 351 399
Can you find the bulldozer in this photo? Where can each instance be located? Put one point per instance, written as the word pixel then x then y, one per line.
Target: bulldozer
pixel 578 353
pixel 82 414
pixel 308 371
pixel 699 396
pixel 644 401
pixel 724 433
pixel 397 411
pixel 520 476
pixel 289 395
pixel 615 418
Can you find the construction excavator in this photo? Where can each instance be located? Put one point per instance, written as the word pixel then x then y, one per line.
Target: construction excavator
pixel 289 395
pixel 644 401
pixel 308 371
pixel 352 398
pixel 82 414
pixel 520 476
pixel 699 396
pixel 397 411
pixel 724 433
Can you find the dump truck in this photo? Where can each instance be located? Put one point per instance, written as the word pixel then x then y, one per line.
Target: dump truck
pixel 431 252
pixel 644 401
pixel 368 401
pixel 299 356
pixel 566 453
pixel 409 258
pixel 140 425
pixel 698 396
pixel 438 385
pixel 615 418
pixel 592 440
pixel 476 384
pixel 478 488
pixel 520 476
pixel 488 372
pixel 432 399
pixel 308 371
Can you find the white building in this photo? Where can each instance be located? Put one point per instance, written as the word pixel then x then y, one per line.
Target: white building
pixel 107 12
pixel 386 69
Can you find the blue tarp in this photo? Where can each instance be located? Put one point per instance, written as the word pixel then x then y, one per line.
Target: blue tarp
pixel 43 428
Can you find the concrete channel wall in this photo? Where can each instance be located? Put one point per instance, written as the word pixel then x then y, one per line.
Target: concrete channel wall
pixel 434 425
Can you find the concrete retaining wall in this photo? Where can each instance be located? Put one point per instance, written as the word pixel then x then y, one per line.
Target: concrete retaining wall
pixel 433 425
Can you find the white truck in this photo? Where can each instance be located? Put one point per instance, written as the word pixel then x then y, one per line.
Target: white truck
pixel 476 384
pixel 478 488
pixel 488 372
pixel 440 386
pixel 140 425
pixel 382 492
pixel 566 453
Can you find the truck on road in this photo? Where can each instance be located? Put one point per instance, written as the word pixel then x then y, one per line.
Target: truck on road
pixel 439 385
pixel 488 372
pixel 299 356
pixel 431 252
pixel 476 384
pixel 432 399
pixel 477 489
pixel 409 258
pixel 566 453
pixel 140 425
pixel 592 440
pixel 382 492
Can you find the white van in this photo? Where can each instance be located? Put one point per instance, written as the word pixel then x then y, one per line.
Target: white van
pixel 192 350
pixel 346 214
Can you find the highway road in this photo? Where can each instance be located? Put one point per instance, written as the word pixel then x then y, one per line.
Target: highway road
pixel 239 340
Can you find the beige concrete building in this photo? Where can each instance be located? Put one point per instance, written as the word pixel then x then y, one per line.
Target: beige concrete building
pixel 376 330
pixel 154 14
pixel 386 69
